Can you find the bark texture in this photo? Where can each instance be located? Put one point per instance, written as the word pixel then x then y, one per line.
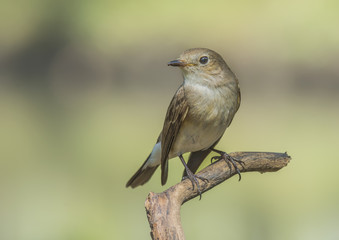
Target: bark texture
pixel 163 209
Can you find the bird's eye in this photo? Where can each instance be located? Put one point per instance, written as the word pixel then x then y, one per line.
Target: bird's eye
pixel 203 60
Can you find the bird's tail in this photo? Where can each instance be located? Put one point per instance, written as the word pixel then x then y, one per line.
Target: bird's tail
pixel 147 169
pixel 142 175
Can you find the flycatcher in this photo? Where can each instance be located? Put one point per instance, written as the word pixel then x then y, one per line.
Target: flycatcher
pixel 197 117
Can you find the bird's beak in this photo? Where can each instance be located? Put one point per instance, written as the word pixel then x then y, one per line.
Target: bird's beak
pixel 177 63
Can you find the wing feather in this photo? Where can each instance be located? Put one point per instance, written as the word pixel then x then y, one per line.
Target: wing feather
pixel 175 116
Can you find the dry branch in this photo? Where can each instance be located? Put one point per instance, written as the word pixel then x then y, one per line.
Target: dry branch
pixel 163 209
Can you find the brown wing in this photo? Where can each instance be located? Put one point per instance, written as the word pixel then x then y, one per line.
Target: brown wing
pixel 175 115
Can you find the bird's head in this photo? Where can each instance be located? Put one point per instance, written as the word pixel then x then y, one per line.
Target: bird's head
pixel 201 63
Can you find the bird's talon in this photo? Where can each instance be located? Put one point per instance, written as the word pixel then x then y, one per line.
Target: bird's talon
pixel 230 161
pixel 193 186
pixel 203 179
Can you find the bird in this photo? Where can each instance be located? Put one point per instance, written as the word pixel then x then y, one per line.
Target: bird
pixel 201 110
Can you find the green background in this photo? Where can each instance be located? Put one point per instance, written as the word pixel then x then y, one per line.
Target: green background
pixel 84 88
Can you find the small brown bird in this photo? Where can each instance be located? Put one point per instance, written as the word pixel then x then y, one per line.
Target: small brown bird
pixel 197 117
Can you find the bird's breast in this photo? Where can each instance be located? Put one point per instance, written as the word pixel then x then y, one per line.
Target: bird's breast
pixel 210 113
pixel 210 105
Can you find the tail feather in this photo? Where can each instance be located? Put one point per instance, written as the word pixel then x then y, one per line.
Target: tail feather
pixel 142 175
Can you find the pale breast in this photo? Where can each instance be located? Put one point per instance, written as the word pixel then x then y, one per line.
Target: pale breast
pixel 210 113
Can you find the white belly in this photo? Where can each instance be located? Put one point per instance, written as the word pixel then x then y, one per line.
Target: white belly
pixel 195 137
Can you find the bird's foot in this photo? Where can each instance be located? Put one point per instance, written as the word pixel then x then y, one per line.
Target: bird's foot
pixel 196 176
pixel 229 160
pixel 192 177
pixel 194 180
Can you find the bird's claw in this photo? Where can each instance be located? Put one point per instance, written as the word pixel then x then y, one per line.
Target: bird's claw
pixel 230 161
pixel 194 181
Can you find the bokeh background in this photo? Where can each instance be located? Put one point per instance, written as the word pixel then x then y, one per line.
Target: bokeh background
pixel 84 89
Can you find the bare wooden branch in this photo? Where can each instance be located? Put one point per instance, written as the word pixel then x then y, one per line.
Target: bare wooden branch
pixel 163 209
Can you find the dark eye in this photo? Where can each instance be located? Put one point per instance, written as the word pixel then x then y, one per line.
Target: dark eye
pixel 203 60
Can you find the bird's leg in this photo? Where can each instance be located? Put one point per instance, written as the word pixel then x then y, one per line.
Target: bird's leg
pixel 229 160
pixel 192 176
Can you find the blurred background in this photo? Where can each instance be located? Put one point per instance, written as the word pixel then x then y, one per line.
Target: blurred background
pixel 84 88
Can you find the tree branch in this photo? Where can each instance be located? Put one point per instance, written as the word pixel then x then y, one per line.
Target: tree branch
pixel 163 209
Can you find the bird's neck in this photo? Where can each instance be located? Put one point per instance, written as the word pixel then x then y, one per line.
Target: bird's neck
pixel 210 81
